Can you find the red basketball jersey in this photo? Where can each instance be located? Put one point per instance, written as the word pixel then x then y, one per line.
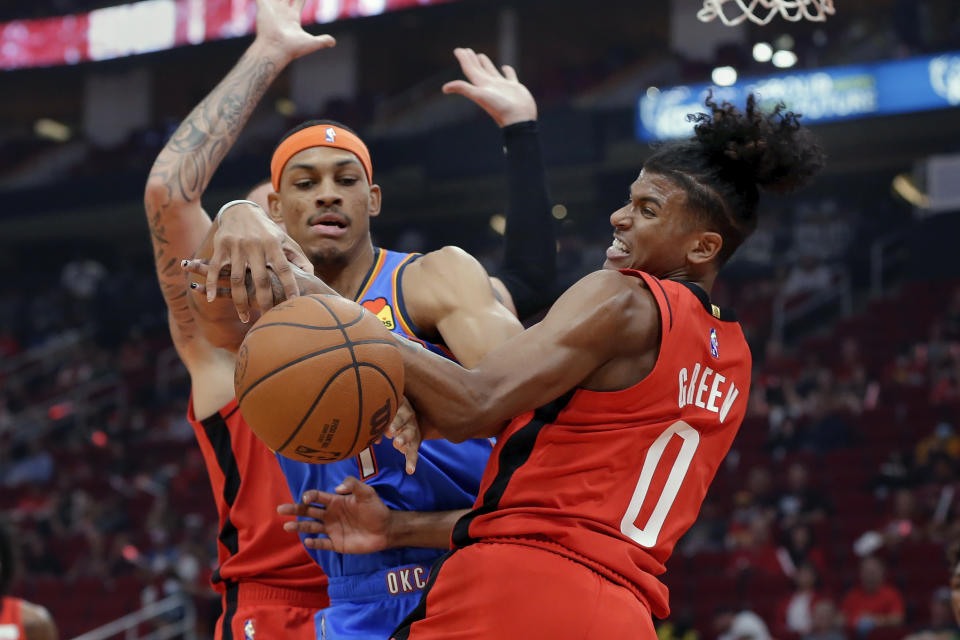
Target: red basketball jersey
pixel 247 486
pixel 613 479
pixel 11 619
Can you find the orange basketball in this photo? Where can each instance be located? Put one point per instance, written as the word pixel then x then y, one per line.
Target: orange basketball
pixel 318 378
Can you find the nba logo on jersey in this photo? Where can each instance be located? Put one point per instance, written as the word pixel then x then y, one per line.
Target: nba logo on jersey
pixel 714 344
pixel 331 135
pixel 248 631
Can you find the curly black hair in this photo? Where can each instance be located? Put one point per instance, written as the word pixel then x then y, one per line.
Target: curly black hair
pixel 732 156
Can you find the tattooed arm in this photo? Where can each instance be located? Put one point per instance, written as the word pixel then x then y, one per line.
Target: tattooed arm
pixel 186 164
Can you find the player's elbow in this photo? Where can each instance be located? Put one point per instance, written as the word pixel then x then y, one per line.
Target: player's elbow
pixel 158 194
pixel 153 192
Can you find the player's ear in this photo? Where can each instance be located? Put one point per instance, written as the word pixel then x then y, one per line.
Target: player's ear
pixel 374 200
pixel 274 209
pixel 705 247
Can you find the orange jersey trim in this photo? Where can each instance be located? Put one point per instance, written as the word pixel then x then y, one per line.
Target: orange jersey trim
pixel 395 284
pixel 372 276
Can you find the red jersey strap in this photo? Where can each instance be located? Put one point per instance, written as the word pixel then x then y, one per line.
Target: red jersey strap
pixel 225 411
pixel 11 615
pixel 660 295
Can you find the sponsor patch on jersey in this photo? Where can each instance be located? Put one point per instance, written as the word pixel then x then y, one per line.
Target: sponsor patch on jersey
pixel 248 631
pixel 331 134
pixel 382 310
pixel 714 344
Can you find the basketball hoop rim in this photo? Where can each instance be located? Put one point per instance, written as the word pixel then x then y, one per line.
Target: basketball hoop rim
pixel 762 12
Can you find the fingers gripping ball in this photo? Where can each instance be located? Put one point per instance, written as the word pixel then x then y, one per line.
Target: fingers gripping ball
pixel 318 378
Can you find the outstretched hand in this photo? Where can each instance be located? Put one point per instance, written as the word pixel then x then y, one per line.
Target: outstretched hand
pixel 278 25
pixel 353 519
pixel 498 93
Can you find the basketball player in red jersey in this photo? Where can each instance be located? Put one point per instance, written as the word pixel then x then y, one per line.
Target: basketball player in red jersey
pixel 270 586
pixel 641 384
pixel 19 619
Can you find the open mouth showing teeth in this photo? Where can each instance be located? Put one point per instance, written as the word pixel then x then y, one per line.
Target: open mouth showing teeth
pixel 330 223
pixel 618 245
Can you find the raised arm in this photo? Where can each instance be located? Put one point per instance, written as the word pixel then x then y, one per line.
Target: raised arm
pixel 186 164
pixel 526 278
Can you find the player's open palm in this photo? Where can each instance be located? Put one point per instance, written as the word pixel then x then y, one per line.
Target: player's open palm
pixel 353 520
pixel 497 92
pixel 278 24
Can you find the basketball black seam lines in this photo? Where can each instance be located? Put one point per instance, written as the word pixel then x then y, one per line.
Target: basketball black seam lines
pixel 378 369
pixel 356 370
pixel 307 356
pixel 313 406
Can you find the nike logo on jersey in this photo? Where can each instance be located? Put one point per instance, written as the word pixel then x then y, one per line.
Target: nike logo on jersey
pixel 704 388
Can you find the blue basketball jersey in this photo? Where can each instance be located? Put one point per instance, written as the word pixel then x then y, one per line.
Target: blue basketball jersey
pixel 447 476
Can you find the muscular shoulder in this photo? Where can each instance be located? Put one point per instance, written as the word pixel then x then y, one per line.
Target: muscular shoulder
pixel 442 281
pixel 37 622
pixel 617 297
pixel 617 307
pixel 445 267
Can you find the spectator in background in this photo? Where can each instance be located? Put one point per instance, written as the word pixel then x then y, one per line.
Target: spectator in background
pixel 905 522
pixel 953 559
pixel 873 603
pixel 799 549
pixel 826 623
pixel 796 611
pixel 679 627
pixel 943 439
pixel 707 533
pixel 34 467
pixel 800 503
pixel 731 623
pixel 893 473
pixel 940 624
pixel 756 551
pixel 938 494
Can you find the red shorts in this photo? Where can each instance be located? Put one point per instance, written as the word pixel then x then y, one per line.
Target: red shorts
pixel 493 591
pixel 254 611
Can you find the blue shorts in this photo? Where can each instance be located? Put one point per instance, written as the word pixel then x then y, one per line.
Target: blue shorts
pixel 370 606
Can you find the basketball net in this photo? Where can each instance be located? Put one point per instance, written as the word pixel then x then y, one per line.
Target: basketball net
pixel 763 11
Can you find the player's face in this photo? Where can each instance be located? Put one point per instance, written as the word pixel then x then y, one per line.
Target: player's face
pixel 651 231
pixel 326 203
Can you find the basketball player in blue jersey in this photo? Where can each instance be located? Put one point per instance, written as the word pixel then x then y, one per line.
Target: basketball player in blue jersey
pixel 324 195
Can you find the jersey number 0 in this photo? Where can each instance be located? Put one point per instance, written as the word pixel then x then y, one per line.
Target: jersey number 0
pixel 648 534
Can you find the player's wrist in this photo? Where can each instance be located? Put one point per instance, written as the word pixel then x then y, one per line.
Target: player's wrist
pixel 396 529
pixel 520 128
pixel 234 205
pixel 273 49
